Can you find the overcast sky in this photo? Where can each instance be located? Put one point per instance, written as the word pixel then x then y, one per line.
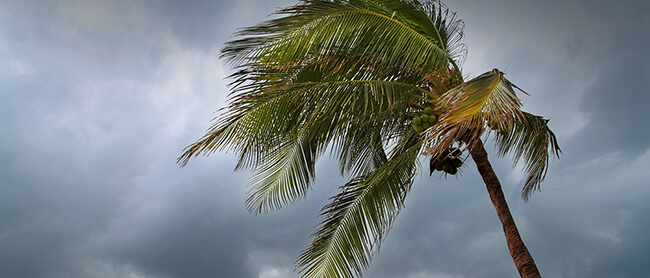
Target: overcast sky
pixel 99 97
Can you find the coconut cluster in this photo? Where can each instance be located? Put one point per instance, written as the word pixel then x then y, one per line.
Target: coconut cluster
pixel 448 161
pixel 424 120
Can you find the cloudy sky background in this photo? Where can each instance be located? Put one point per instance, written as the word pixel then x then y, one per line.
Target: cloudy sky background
pixel 98 98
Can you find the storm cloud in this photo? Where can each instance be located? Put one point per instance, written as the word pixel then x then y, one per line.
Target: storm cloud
pixel 98 98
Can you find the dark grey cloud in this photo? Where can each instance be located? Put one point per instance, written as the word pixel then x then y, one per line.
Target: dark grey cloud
pixel 617 100
pixel 205 24
pixel 197 24
pixel 88 104
pixel 98 98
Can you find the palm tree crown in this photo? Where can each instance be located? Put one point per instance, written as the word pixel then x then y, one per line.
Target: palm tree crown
pixel 377 83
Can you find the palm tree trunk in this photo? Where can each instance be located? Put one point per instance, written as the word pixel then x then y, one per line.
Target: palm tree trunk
pixel 523 260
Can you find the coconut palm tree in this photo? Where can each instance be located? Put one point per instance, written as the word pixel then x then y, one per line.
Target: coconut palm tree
pixel 378 85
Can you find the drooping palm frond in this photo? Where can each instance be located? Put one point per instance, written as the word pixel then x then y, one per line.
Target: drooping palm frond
pixel 489 101
pixel 343 110
pixel 532 140
pixel 358 218
pixel 270 136
pixel 284 177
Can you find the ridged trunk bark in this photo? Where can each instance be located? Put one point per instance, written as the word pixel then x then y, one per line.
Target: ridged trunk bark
pixel 522 258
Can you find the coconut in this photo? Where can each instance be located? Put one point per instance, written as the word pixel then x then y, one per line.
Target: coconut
pixel 438 165
pixel 456 162
pixel 433 163
pixel 417 120
pixel 418 127
pixel 428 111
pixel 447 168
pixel 453 171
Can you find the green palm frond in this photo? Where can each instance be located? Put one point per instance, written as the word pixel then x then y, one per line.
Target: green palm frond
pixel 361 151
pixel 269 132
pixel 284 176
pixel 333 28
pixel 252 129
pixel 431 18
pixel 533 141
pixel 358 218
pixel 339 109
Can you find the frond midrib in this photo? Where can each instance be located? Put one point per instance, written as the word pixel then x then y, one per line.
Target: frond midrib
pixel 321 84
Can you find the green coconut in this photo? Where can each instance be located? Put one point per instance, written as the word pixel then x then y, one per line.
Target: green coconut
pixel 428 111
pixel 418 128
pixel 417 120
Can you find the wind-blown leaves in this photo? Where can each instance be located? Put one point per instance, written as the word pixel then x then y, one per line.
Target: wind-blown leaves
pixel 272 134
pixel 349 76
pixel 489 96
pixel 284 177
pixel 533 141
pixel 366 28
pixel 489 101
pixel 358 218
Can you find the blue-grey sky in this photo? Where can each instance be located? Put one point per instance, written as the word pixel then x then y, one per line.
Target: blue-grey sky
pixel 99 97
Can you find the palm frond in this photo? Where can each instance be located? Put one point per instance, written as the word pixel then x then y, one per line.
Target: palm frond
pixel 257 121
pixel 252 128
pixel 358 218
pixel 449 27
pixel 328 28
pixel 490 98
pixel 281 134
pixel 284 176
pixel 361 151
pixel 533 141
pixel 430 18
